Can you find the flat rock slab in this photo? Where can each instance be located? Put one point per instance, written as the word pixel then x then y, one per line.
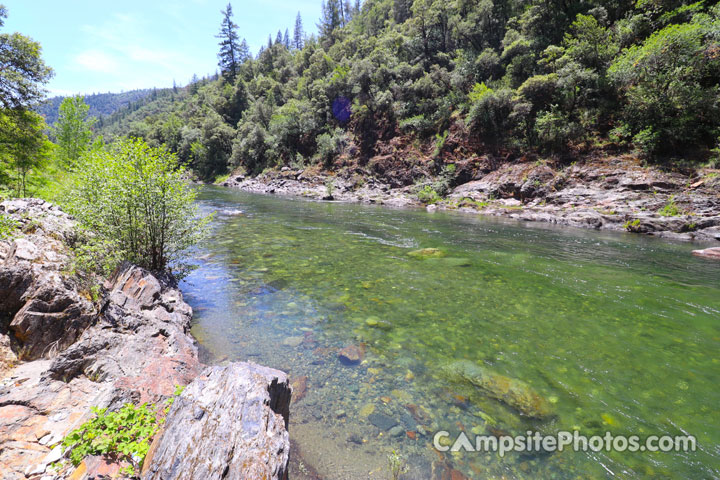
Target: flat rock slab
pixel 229 423
pixel 713 253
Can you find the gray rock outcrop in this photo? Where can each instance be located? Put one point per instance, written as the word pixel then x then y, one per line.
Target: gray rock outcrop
pixel 229 423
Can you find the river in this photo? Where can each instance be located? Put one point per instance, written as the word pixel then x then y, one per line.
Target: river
pixel 614 332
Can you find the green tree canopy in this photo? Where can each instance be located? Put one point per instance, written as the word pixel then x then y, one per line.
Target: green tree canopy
pixel 73 130
pixel 22 70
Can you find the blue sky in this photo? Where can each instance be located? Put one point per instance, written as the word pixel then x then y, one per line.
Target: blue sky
pixel 102 46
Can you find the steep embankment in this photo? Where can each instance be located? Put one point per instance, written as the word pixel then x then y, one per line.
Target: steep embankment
pixel 607 192
pixel 63 353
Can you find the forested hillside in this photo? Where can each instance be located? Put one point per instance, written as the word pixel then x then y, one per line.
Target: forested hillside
pixel 400 83
pixel 101 104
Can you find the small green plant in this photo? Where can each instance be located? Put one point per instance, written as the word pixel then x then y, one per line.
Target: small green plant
pixel 396 465
pixel 435 191
pixel 440 140
pixel 8 227
pixel 670 209
pixel 632 225
pixel 329 187
pixel 124 435
pixel 428 195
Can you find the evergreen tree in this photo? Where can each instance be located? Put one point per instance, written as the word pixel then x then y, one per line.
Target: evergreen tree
pixel 286 39
pixel 331 17
pixel 229 61
pixel 278 38
pixel 244 51
pixel 298 33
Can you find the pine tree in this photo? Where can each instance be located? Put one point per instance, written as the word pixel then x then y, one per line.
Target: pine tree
pixel 286 39
pixel 244 51
pixel 330 19
pixel 278 38
pixel 298 33
pixel 229 61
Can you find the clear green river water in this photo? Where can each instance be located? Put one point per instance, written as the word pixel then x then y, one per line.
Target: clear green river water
pixel 615 332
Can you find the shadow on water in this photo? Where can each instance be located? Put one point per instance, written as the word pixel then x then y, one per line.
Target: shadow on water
pixel 605 331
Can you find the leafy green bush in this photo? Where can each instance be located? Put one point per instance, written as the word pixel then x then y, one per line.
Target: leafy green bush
pixel 94 255
pixel 330 145
pixel 135 198
pixel 428 195
pixel 647 141
pixel 555 129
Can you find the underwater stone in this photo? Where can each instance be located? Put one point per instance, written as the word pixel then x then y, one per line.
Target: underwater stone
pixel 351 355
pixel 513 392
pixel 427 253
pixel 381 421
pixel 293 341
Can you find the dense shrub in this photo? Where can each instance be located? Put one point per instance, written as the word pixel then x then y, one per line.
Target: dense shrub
pixel 136 198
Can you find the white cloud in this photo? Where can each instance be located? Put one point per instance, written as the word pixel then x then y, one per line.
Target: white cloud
pixel 96 61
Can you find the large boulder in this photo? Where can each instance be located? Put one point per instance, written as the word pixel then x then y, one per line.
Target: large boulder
pixel 229 423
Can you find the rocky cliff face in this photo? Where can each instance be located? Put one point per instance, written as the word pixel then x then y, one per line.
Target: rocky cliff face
pixel 63 354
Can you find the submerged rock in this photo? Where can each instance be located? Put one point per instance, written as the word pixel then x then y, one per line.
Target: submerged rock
pixel 513 392
pixel 293 341
pixel 351 355
pixel 713 253
pixel 427 253
pixel 375 322
pixel 299 386
pixel 229 423
pixel 382 421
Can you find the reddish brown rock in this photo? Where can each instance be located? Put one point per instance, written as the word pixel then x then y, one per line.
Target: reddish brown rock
pixel 299 387
pixel 351 355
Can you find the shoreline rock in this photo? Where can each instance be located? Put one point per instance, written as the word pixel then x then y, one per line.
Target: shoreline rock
pixel 229 423
pixel 609 193
pixel 133 345
pixel 712 253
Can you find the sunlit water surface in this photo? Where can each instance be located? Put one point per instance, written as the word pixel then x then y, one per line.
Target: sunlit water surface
pixel 617 332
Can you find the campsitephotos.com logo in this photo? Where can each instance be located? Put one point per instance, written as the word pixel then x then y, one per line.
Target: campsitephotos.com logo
pixel 538 442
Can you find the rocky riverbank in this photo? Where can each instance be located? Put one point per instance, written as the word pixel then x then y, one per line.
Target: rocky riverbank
pixel 610 193
pixel 66 347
